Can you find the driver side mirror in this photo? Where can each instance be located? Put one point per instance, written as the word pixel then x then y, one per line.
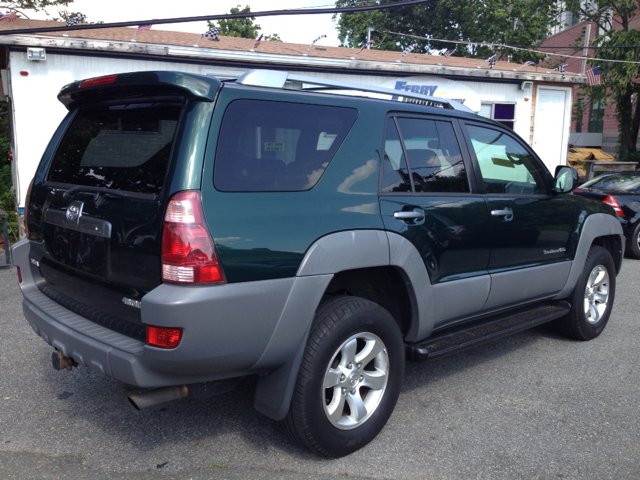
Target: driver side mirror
pixel 566 179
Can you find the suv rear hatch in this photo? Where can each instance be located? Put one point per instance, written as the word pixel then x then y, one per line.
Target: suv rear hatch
pixel 98 199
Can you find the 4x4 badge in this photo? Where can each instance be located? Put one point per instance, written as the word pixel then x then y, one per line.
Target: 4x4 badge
pixel 74 210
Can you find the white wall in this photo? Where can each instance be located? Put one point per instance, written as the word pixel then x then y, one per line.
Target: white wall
pixel 37 111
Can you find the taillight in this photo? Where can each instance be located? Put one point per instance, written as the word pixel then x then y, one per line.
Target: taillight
pixel 26 209
pixel 616 206
pixel 19 275
pixel 92 82
pixel 163 337
pixel 188 252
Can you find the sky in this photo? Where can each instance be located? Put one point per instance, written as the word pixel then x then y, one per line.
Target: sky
pixel 292 29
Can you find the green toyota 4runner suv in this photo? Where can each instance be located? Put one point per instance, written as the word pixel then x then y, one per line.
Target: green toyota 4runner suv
pixel 185 232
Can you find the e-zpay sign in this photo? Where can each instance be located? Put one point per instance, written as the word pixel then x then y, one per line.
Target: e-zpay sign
pixel 438 87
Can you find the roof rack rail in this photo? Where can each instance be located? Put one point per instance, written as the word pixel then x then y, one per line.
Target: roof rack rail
pixel 278 79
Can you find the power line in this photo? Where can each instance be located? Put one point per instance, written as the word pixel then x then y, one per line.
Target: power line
pixel 512 47
pixel 575 47
pixel 228 16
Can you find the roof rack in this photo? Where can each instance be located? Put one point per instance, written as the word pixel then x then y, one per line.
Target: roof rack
pixel 278 79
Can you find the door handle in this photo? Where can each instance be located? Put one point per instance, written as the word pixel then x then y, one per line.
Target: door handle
pixel 408 215
pixel 507 213
pixel 411 215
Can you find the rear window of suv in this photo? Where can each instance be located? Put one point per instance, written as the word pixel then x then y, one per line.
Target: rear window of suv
pixel 121 147
pixel 268 146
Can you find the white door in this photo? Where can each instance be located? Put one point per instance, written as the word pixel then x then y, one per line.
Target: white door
pixel 549 136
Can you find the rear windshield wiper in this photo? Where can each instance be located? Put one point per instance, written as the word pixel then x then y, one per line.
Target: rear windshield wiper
pixel 100 191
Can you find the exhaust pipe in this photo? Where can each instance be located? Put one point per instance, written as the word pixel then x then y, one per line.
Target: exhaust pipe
pixel 159 395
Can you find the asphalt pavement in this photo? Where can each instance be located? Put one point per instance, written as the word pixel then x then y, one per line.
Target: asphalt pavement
pixel 533 405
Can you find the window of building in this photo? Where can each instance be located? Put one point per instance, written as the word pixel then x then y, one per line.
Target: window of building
pixel 596 117
pixel 505 113
pixel 579 115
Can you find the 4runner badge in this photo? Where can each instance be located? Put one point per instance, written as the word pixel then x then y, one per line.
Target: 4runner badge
pixel 131 303
pixel 557 250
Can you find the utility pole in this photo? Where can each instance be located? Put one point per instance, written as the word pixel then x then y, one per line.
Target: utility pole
pixel 585 50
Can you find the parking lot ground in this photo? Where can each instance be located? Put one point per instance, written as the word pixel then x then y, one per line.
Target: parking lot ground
pixel 533 405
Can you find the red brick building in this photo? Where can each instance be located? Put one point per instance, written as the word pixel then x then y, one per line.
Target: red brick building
pixel 594 122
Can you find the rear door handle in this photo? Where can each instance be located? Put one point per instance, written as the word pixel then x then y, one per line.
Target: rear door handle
pixel 507 213
pixel 412 217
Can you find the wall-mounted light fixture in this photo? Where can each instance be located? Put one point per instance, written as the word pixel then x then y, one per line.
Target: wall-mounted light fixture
pixel 36 54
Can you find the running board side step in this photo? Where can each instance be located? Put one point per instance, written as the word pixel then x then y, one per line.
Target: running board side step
pixel 449 342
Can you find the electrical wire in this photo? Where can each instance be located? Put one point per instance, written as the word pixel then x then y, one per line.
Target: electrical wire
pixel 228 16
pixel 512 47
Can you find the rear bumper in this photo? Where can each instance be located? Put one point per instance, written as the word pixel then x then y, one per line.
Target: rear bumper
pixel 228 330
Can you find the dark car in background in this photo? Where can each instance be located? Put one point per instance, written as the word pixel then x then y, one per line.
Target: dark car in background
pixel 622 192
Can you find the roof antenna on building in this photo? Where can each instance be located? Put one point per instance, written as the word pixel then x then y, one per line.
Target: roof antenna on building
pixel 366 45
pixel 313 43
pixel 11 16
pixel 141 28
pixel 212 33
pixel 407 51
pixel 74 20
pixel 446 55
pixel 256 44
pixel 526 64
pixel 491 60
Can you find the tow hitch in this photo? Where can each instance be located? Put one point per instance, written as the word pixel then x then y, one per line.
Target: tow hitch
pixel 60 362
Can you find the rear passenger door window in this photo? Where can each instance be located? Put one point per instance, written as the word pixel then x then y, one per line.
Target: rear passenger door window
pixel 422 154
pixel 267 146
pixel 434 155
pixel 395 173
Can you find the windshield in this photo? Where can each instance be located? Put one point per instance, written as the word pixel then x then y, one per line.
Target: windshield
pixel 617 182
pixel 120 147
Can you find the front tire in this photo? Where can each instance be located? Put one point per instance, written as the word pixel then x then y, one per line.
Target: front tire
pixel 592 298
pixel 350 377
pixel 633 243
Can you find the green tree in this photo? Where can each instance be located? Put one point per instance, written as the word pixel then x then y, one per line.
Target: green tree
pixel 19 6
pixel 514 22
pixel 7 197
pixel 620 79
pixel 274 37
pixel 242 27
pixel 239 27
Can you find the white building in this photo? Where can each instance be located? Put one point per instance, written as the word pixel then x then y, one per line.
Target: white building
pixel 537 105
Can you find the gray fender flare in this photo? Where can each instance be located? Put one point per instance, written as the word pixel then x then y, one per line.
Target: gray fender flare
pixel 596 225
pixel 327 256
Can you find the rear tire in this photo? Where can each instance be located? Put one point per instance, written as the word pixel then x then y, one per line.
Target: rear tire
pixel 633 243
pixel 592 298
pixel 350 377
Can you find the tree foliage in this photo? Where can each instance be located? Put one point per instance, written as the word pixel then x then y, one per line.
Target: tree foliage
pixel 239 27
pixel 513 22
pixel 7 195
pixel 242 27
pixel 19 6
pixel 620 81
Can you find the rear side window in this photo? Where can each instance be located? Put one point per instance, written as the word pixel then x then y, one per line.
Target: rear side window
pixel 121 147
pixel 269 146
pixel 431 151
